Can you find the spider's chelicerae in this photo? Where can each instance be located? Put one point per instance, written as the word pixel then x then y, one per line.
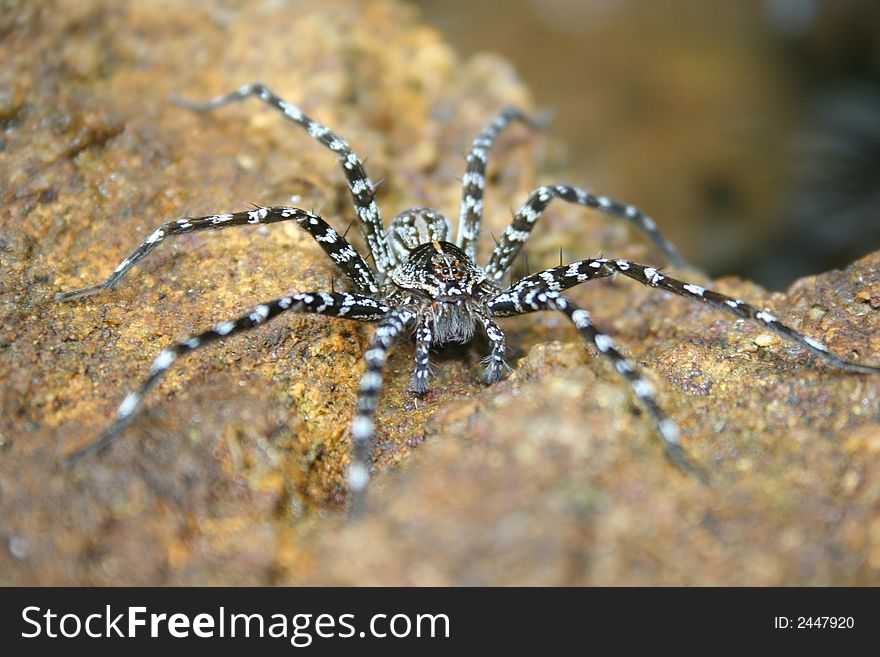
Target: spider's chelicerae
pixel 425 286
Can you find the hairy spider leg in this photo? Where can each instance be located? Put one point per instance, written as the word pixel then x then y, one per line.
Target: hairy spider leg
pixel 424 337
pixel 349 306
pixel 474 181
pixel 362 189
pixel 561 278
pixel 395 325
pixel 522 301
pixel 515 235
pixel 343 254
pixel 494 362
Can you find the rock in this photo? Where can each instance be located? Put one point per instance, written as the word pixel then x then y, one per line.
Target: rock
pixel 233 473
pixel 553 477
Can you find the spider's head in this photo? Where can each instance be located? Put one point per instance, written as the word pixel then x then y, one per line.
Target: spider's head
pixel 443 277
pixel 440 271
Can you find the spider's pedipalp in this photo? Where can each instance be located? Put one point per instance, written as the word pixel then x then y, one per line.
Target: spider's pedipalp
pixel 394 326
pixel 350 306
pixel 361 187
pixel 519 230
pixel 342 253
pixel 474 181
pixel 517 302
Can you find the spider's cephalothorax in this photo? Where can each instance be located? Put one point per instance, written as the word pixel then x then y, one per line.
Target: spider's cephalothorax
pixel 440 271
pixel 445 285
pixel 425 286
pixel 440 278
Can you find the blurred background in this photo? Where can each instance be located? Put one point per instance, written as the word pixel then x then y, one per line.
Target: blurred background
pixel 749 130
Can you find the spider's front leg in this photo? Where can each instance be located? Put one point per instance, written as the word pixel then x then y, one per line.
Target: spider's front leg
pixel 343 254
pixel 522 301
pixel 349 306
pixel 494 362
pixel 424 337
pixel 359 184
pixel 519 230
pixel 393 327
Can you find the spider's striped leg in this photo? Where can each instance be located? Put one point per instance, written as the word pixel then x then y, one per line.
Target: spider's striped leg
pixel 649 276
pixel 516 234
pixel 563 277
pixel 518 302
pixel 566 276
pixel 362 189
pixel 393 327
pixel 495 360
pixel 349 306
pixel 474 180
pixel 343 254
pixel 424 337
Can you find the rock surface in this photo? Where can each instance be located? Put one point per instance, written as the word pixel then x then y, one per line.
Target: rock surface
pixel 232 474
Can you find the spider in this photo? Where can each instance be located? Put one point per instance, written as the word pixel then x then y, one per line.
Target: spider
pixel 423 285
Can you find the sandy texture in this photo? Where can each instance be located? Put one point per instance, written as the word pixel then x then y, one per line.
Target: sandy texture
pixel 232 475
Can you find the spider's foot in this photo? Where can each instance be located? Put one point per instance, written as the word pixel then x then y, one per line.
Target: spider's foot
pixel 492 374
pixel 254 88
pixel 680 458
pixel 495 370
pixel 542 118
pixel 73 459
pixel 858 368
pixel 357 506
pixel 419 383
pixel 192 105
pixel 80 293
pixel 358 478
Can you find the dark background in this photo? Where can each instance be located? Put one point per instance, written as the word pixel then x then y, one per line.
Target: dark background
pixel 749 130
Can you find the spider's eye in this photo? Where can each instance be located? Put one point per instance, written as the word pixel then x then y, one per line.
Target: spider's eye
pixel 447 269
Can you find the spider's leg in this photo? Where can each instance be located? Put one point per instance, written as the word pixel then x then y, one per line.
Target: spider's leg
pixel 394 326
pixel 516 234
pixel 566 276
pixel 362 189
pixel 343 254
pixel 495 360
pixel 649 276
pixel 349 306
pixel 563 277
pixel 519 302
pixel 474 179
pixel 424 337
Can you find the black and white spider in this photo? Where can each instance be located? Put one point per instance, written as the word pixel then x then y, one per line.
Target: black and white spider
pixel 423 285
